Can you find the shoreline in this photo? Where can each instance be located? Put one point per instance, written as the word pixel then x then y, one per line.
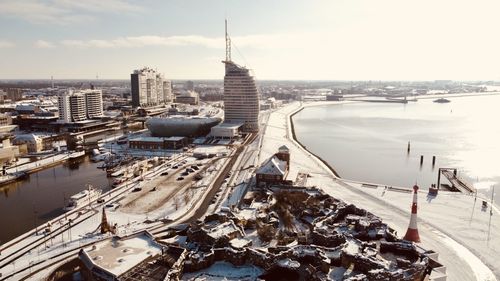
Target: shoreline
pixel 308 104
pixel 294 137
pixel 474 257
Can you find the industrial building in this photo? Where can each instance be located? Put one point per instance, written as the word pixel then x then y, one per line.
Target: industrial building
pixel 149 88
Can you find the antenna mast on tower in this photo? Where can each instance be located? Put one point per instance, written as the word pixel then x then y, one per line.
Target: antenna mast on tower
pixel 228 44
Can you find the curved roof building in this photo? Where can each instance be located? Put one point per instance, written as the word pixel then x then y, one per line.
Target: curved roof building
pixel 185 126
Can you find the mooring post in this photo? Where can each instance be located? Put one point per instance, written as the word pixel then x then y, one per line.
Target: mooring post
pixel 439 179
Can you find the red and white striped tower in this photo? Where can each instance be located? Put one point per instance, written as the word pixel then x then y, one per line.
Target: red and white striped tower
pixel 412 232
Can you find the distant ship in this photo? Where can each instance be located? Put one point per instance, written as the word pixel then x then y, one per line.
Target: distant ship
pixel 442 100
pixel 81 198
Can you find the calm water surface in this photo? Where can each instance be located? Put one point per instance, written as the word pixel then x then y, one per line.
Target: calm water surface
pixel 368 141
pixel 42 196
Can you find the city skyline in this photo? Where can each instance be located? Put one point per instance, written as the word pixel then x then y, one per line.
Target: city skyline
pixel 279 40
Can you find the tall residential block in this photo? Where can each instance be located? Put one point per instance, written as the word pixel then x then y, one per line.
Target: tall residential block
pixel 93 100
pixel 64 108
pixel 149 88
pixel 80 106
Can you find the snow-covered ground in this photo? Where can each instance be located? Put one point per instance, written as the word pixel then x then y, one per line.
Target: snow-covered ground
pixel 225 271
pixel 26 165
pixel 87 229
pixel 444 222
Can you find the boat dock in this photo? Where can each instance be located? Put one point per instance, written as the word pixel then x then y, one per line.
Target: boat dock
pixel 18 172
pixel 455 180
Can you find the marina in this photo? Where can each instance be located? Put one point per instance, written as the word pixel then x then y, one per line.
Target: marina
pixel 43 195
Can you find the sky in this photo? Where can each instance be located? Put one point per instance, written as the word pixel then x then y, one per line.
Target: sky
pixel 282 39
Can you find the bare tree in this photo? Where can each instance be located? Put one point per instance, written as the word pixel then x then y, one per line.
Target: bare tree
pixel 187 197
pixel 176 203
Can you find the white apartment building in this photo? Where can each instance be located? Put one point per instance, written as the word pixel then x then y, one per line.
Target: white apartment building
pixel 94 103
pixel 64 108
pixel 80 106
pixel 149 88
pixel 241 99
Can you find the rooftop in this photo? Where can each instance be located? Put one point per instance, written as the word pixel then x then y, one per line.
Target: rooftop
pixel 157 139
pixel 230 125
pixel 118 255
pixel 273 166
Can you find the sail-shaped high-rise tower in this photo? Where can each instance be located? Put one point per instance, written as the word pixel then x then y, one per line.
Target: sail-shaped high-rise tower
pixel 241 99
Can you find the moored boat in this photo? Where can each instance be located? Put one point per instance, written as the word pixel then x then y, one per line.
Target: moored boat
pixel 83 197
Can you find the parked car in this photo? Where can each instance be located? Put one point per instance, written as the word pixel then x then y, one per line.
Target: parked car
pixel 164 174
pixel 180 178
pixel 137 189
pixel 112 206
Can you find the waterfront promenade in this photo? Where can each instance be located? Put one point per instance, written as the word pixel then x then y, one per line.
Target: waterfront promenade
pixel 444 222
pixel 31 167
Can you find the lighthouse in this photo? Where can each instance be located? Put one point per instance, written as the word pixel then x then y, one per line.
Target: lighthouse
pixel 412 232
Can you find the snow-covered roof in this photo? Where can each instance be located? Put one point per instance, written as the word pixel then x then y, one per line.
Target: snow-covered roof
pixel 174 138
pixel 199 140
pixel 273 166
pixel 223 229
pixel 240 243
pixel 147 139
pixel 284 148
pixel 27 137
pixel 121 254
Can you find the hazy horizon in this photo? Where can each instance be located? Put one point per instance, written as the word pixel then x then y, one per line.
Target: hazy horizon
pixel 282 40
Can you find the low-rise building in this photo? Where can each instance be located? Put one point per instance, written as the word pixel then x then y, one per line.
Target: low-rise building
pixel 188 97
pixel 115 258
pixel 33 142
pixel 226 130
pixel 8 153
pixel 151 143
pixel 275 169
pixel 37 143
